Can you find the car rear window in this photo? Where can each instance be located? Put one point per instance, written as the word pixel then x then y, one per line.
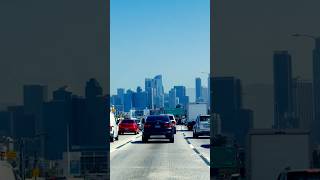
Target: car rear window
pixel 127 121
pixel 157 118
pixel 205 118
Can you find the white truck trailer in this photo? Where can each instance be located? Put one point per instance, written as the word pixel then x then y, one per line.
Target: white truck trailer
pixel 270 151
pixel 195 109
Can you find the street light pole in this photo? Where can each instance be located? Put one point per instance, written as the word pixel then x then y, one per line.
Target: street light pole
pixel 315 83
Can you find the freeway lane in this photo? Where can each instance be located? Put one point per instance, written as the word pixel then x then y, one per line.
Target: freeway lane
pixel 158 160
pixel 201 144
pixel 123 140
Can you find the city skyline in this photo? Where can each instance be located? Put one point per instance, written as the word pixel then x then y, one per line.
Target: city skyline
pixel 158 37
pixel 153 96
pixel 192 88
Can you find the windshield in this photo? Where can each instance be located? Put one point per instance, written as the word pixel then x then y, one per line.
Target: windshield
pixel 171 117
pixel 157 118
pixel 205 118
pixel 128 121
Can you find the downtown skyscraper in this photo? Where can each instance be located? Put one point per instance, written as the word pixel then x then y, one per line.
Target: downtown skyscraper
pixel 155 92
pixel 282 79
pixel 198 89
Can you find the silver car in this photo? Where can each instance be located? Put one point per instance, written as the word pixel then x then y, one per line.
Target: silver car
pixel 202 126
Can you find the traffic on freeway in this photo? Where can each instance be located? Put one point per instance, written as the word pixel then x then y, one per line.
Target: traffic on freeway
pixel 162 149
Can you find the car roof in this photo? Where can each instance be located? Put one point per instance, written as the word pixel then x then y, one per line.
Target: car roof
pixel 167 115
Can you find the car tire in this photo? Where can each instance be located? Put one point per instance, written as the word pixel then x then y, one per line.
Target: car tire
pixel 111 139
pixel 195 135
pixel 144 139
pixel 117 138
pixel 172 140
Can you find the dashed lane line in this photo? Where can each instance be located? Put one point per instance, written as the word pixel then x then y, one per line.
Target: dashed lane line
pixel 206 160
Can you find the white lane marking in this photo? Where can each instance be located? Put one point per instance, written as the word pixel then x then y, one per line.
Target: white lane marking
pixel 192 147
pixel 207 161
pixel 124 143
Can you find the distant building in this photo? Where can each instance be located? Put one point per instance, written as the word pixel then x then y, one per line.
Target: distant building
pixel 79 122
pixel 227 103
pixel 159 94
pixel 149 88
pixel 166 101
pixel 22 125
pixel 128 100
pixel 57 116
pixel 198 89
pixel 140 99
pixel 120 93
pixel 259 98
pixel 204 94
pixel 155 91
pixel 5 121
pixel 172 98
pixel 191 93
pixel 93 88
pixel 303 103
pixel 182 95
pixel 282 79
pixel 34 97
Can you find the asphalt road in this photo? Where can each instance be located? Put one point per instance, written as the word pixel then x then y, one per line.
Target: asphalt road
pixel 186 158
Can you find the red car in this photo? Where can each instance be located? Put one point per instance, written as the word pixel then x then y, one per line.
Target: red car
pixel 128 126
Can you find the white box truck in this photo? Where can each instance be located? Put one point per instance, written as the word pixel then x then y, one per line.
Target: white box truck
pixel 195 109
pixel 270 151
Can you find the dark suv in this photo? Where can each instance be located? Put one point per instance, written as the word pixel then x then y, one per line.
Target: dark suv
pixel 158 125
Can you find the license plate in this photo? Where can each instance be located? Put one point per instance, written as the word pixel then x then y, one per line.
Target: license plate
pixel 157 126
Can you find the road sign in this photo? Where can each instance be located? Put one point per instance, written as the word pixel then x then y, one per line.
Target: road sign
pixel 175 111
pixel 11 155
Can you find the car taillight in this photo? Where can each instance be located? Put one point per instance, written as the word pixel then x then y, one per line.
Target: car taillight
pixel 167 125
pixel 147 125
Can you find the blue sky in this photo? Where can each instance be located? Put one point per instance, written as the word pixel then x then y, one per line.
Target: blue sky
pixel 150 37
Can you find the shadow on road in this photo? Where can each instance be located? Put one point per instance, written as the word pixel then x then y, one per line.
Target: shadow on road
pixel 201 137
pixel 183 130
pixel 152 141
pixel 207 146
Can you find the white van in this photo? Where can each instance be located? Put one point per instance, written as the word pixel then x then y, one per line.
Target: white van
pixel 202 126
pixel 114 128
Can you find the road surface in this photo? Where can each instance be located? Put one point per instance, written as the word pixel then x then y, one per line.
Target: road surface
pixel 186 158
